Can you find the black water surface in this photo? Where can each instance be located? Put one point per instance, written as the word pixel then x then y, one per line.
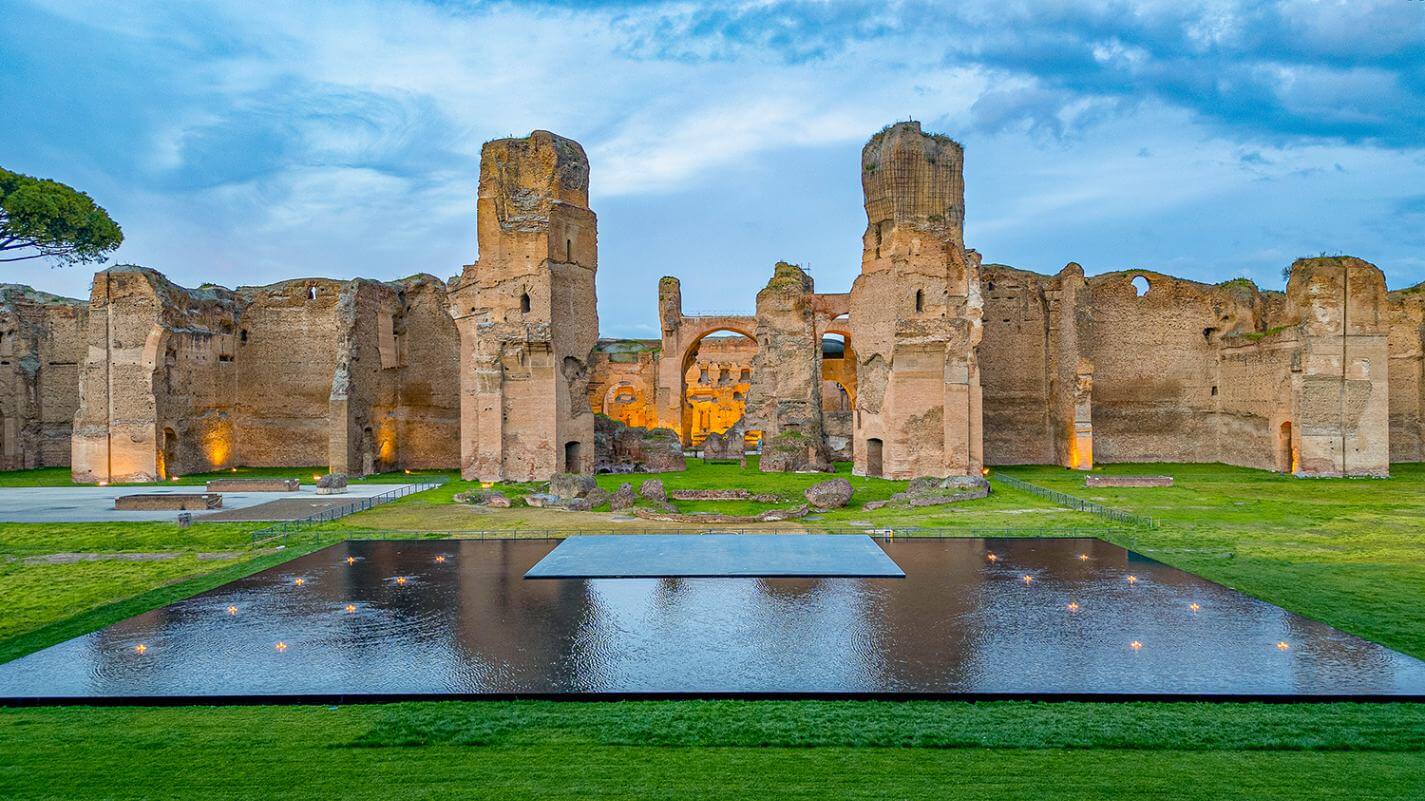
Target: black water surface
pixel 971 616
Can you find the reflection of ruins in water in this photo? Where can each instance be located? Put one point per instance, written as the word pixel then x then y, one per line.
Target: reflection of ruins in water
pixel 959 622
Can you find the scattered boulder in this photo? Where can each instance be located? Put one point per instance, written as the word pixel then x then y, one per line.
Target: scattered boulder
pixel 731 444
pixel 598 497
pixel 484 497
pixel 792 451
pixel 541 500
pixel 578 505
pixel 331 484
pixel 832 494
pixel 572 485
pixel 621 448
pixel 652 490
pixel 929 491
pixel 623 499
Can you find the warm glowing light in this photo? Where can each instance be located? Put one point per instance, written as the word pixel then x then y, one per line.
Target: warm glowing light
pixel 1083 557
pixel 408 471
pixel 280 646
pixel 1283 646
pixel 232 610
pixel 992 557
pixel 1073 606
pixel 140 648
pixel 351 560
pixel 103 483
pixel 175 478
pixel 234 469
pixel 486 484
pixel 400 579
pixel 984 471
pixel 1135 645
pixel 1132 579
pixel 1028 579
pixel 350 608
pixel 1193 606
pixel 316 477
pixel 299 582
pixel 440 559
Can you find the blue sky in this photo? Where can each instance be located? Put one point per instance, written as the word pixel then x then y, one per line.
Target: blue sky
pixel 1209 140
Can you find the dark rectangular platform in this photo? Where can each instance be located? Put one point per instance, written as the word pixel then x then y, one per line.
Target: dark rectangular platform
pixel 174 501
pixel 716 556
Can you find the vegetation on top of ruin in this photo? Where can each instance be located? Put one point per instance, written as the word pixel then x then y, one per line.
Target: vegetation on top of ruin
pixel 40 218
pixel 1245 284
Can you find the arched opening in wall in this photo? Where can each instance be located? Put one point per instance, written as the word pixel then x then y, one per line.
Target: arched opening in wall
pixel 1286 451
pixel 717 374
pixel 625 403
pixel 569 251
pixel 168 455
pixel 838 377
pixel 874 457
pixel 919 300
pixel 311 293
pixel 573 457
pixel 524 303
pixel 1141 285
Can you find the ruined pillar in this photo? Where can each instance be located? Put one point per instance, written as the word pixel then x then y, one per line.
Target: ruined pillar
pixel 526 314
pixel 784 398
pixel 915 312
pixel 1340 379
pixel 668 394
pixel 1071 381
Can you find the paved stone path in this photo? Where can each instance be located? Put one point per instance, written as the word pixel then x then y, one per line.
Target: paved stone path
pixel 96 504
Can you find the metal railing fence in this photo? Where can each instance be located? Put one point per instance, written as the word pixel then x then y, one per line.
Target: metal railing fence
pixel 1079 504
pixel 287 527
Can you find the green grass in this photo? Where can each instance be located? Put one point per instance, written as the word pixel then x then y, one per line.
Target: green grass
pixel 734 750
pixel 1005 508
pixel 1347 552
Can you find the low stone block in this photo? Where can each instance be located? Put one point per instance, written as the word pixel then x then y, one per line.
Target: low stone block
pixel 1128 481
pixel 174 502
pixel 254 485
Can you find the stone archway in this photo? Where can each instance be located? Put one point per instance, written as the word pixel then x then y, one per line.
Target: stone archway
pixel 715 379
pixel 682 336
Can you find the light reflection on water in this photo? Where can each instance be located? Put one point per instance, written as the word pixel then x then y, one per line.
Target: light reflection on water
pixel 958 622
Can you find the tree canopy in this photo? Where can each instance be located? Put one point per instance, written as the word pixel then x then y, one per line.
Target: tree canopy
pixel 40 218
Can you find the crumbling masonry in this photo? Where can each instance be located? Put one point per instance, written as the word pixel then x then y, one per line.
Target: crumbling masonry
pixel 940 364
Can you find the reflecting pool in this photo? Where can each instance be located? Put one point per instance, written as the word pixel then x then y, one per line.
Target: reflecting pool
pixel 975 616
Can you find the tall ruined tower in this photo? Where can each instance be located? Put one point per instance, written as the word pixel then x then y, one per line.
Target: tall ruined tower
pixel 915 312
pixel 526 314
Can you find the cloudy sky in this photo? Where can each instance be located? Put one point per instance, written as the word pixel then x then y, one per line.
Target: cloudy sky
pixel 1206 139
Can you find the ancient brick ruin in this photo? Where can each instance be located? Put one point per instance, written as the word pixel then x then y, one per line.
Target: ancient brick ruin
pixel 352 375
pixel 42 340
pixel 526 314
pixel 932 365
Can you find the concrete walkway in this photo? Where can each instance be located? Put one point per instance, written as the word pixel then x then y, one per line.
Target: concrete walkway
pixel 96 504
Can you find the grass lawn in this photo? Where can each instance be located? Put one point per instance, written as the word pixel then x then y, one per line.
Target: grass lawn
pixel 1005 508
pixel 734 750
pixel 1347 552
